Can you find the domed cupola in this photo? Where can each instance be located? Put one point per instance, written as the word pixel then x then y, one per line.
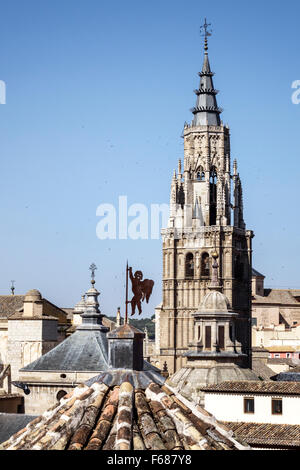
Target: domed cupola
pixel 215 302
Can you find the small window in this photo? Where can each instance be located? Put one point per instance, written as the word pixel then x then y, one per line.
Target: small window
pixel 249 405
pixel 208 337
pixel 221 338
pixel 276 406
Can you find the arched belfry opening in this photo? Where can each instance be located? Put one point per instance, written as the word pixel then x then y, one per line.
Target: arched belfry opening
pixel 213 196
pixel 189 266
pixel 205 271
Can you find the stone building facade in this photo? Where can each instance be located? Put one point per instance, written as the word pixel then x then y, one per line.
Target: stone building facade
pixel 274 306
pixel 206 216
pixel 31 326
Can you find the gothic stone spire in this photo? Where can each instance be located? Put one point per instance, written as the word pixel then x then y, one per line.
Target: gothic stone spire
pixel 206 112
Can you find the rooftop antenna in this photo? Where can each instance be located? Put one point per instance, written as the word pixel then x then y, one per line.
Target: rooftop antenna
pixel 12 287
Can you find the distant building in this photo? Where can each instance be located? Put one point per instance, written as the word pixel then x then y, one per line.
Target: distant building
pixel 30 326
pixel 283 352
pixel 263 414
pixel 273 306
pixel 276 323
pixel 15 313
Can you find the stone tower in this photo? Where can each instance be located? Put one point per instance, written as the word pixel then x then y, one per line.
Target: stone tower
pixel 206 218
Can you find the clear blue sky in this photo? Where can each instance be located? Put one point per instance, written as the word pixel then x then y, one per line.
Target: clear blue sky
pixel 97 95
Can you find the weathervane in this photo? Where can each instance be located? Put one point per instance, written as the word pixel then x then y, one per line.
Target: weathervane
pixel 142 289
pixel 93 268
pixel 204 32
pixel 12 287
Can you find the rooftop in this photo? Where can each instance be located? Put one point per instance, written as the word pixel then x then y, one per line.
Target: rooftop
pixel 282 348
pixel 9 304
pixel 262 370
pixel 256 273
pixel 82 351
pixel 277 435
pixel 124 410
pixel 6 396
pixel 12 423
pixel 269 388
pixel 276 296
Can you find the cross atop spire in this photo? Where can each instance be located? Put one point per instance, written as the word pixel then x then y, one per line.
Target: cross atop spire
pixel 93 268
pixel 205 33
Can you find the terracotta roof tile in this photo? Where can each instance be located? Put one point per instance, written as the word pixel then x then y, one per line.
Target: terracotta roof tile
pixel 264 387
pixel 275 296
pixel 119 415
pixel 259 434
pixel 9 304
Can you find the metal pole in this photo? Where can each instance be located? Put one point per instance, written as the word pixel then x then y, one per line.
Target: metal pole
pixel 126 302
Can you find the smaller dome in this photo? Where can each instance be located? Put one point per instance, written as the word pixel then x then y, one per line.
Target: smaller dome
pixel 215 301
pixel 33 295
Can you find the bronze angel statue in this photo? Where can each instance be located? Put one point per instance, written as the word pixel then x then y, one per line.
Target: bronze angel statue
pixel 142 289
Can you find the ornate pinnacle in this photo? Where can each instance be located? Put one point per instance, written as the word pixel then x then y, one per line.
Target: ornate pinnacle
pixel 179 167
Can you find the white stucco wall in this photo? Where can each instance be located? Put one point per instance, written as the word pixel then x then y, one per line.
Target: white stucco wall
pixel 3 346
pixel 230 407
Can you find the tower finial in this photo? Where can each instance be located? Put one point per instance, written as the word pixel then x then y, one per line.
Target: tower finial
pixel 93 268
pixel 12 287
pixel 205 33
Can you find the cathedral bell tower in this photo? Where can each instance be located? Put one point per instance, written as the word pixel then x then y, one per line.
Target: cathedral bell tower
pixel 206 218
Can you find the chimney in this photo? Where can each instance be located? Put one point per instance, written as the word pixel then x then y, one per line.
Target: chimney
pixel 125 348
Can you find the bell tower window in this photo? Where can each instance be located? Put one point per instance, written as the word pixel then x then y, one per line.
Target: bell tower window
pixel 205 265
pixel 189 265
